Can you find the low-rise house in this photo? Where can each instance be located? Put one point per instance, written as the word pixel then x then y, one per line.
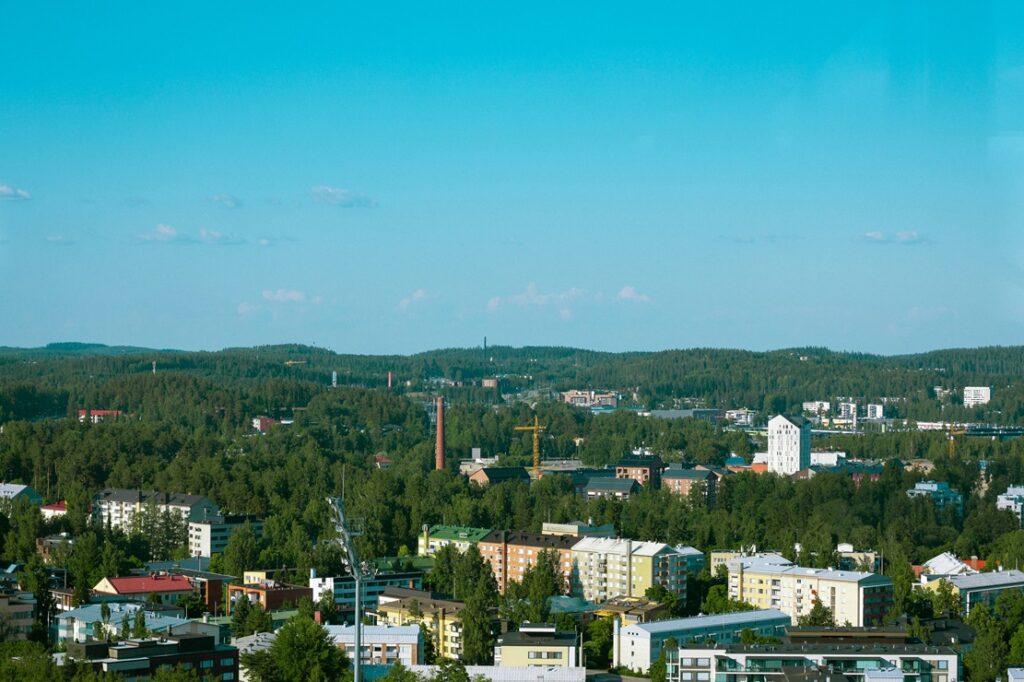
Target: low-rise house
pixel 270 595
pixel 493 475
pixel 54 511
pixel 46 546
pixel 161 588
pixel 381 644
pixel 87 622
pixel 434 538
pixel 630 610
pixel 139 659
pixel 639 645
pixel 537 644
pixel 97 416
pixel 578 529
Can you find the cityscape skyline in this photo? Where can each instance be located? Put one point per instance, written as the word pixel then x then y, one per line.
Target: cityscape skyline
pixel 400 178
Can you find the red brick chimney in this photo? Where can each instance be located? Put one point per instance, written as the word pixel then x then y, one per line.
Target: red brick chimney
pixel 439 448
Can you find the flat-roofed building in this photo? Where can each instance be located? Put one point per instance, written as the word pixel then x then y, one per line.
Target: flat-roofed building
pixel 856 598
pixel 381 644
pixel 537 644
pixel 684 481
pixel 140 659
pixel 981 588
pixel 343 588
pixel 270 595
pixel 604 568
pixel 941 495
pixel 119 507
pixel 578 529
pixel 644 469
pixel 209 537
pixel 17 611
pixel 511 553
pixel 977 395
pixel 637 646
pixel 769 662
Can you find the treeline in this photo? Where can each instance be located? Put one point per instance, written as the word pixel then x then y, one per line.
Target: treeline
pixel 282 377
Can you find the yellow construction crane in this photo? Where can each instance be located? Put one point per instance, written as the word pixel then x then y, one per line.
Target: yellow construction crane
pixel 954 431
pixel 536 428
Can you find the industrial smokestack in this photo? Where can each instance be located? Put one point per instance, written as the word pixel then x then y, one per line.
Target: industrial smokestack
pixel 389 379
pixel 439 448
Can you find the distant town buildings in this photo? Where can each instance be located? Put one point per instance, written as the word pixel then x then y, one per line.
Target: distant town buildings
pixel 741 417
pixel 590 399
pixel 977 395
pixel 209 537
pixel 12 492
pixel 789 444
pixel 644 469
pixel 381 644
pixel 875 411
pixel 605 568
pixel 435 537
pixel 97 416
pixel 537 644
pixel 817 407
pixel 684 481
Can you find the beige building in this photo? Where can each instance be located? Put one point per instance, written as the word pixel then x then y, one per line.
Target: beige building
pixel 537 645
pixel 770 582
pixel 440 616
pixel 604 568
pixel 17 612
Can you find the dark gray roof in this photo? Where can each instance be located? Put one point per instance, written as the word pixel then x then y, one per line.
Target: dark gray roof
pixel 495 474
pixel 698 474
pixel 144 496
pixel 612 485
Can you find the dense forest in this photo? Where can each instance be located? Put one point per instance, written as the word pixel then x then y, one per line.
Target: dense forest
pixel 60 378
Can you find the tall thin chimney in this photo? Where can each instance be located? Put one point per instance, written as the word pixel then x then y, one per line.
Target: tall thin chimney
pixel 439 448
pixel 389 379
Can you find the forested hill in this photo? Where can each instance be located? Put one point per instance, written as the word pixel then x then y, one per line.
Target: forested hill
pixel 54 379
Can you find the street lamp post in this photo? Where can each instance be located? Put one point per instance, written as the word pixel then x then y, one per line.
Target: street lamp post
pixel 345 535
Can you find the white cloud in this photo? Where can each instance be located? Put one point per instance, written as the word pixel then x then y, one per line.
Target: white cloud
pixel 629 293
pixel 163 234
pixel 247 308
pixel 411 299
pixel 337 196
pixel 901 237
pixel 531 298
pixel 226 200
pixel 214 237
pixel 284 295
pixel 13 193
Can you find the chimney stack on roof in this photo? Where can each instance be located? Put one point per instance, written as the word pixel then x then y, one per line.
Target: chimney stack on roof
pixel 439 448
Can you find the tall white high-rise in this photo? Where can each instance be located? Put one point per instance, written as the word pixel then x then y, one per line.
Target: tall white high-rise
pixel 789 444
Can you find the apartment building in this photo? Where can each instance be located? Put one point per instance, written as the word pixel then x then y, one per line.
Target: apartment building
pixel 511 553
pixel 856 598
pixel 343 588
pixel 644 469
pixel 741 417
pixel 977 395
pixel 118 507
pixel 637 646
pixel 161 588
pixel 590 399
pixel 270 595
pixel 17 611
pixel 816 406
pixel 789 444
pixel 776 662
pixel 579 529
pixel 683 481
pixel 434 538
pixel 12 492
pixel 941 495
pixel 1012 500
pixel 981 588
pixel 875 411
pixel 604 568
pixel 210 536
pixel 381 644
pixel 139 659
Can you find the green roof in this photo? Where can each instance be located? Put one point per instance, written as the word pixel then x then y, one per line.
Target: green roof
pixel 458 533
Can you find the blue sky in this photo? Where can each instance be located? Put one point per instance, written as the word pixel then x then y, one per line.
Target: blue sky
pixel 399 177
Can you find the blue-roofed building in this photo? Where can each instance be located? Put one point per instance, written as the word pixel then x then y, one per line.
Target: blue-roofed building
pixel 637 646
pixel 87 622
pixel 941 495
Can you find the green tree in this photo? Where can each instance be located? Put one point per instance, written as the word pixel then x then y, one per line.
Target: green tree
pixel 944 599
pixel 819 616
pixel 477 637
pixel 34 579
pixel 303 650
pixel 139 626
pixel 986 660
pixel 242 551
pixel 718 601
pixel 597 645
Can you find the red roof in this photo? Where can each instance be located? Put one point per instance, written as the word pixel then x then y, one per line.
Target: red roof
pixel 144 584
pixel 60 505
pixel 100 413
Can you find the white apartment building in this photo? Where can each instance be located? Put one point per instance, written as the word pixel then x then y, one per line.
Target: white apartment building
pixel 1012 499
pixel 875 411
pixel 117 507
pixel 741 417
pixel 605 568
pixel 590 399
pixel 381 644
pixel 976 395
pixel 855 597
pixel 817 406
pixel 848 410
pixel 206 538
pixel 789 444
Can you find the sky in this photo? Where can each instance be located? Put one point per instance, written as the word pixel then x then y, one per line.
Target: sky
pixel 392 178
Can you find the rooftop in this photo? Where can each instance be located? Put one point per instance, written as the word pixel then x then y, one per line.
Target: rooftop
pixel 465 533
pixel 991 579
pixel 704 622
